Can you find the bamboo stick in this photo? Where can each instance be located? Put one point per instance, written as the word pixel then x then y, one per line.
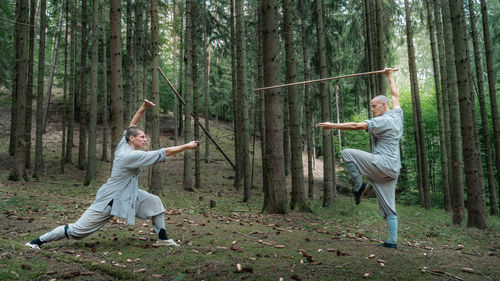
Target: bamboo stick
pixel 322 80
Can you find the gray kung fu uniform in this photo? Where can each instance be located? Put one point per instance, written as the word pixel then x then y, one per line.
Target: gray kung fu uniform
pixel 383 165
pixel 123 189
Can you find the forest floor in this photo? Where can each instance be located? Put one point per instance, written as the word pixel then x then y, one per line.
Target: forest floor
pixel 336 243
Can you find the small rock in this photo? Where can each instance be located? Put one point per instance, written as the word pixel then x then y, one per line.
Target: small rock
pixel 367 275
pixel 468 269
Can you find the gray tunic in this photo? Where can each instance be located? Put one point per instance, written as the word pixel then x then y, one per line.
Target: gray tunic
pixel 386 131
pixel 123 186
pixel 383 165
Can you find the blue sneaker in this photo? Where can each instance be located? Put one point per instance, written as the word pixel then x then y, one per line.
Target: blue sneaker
pixel 359 194
pixel 389 245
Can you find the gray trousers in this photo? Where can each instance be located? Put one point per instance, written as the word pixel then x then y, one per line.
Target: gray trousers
pixel 92 220
pixel 384 186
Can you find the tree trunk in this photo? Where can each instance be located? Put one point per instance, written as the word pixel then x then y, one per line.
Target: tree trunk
pixel 157 174
pixel 196 97
pixel 308 104
pixel 276 193
pixel 422 155
pixel 444 103
pixel 484 116
pixel 380 20
pixel 116 74
pixel 104 102
pixel 29 89
pixel 475 198
pixel 236 114
pixel 175 59
pixel 188 129
pixel 94 68
pixel 298 200
pixel 65 86
pixel 286 132
pixel 439 103
pixel 456 190
pixel 18 170
pixel 82 143
pixel 492 90
pixel 244 123
pixel 328 168
pixel 39 163
pixel 72 86
pixel 139 54
pixel 127 66
pixel 206 84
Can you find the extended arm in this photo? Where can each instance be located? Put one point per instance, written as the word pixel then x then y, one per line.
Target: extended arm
pixel 169 151
pixel 138 115
pixel 350 126
pixel 394 89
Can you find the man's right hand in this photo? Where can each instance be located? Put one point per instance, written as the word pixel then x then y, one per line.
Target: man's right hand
pixel 193 145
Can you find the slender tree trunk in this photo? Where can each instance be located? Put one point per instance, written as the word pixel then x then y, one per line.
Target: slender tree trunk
pixel 196 96
pixel 39 162
pixel 13 105
pixel 29 89
pixel 139 53
pixel 422 155
pixel 492 90
pixel 276 193
pixel 484 116
pixel 380 20
pixel 206 84
pixel 157 175
pixel 116 74
pixel 445 103
pixel 373 46
pixel 236 114
pixel 175 60
pixel 244 123
pixel 308 104
pixel 82 143
pixel 18 170
pixel 72 86
pixel 188 129
pixel 65 86
pixel 328 168
pixel 286 133
pixel 94 68
pixel 298 200
pixel 104 156
pixel 456 190
pixel 439 103
pixel 475 198
pixel 127 66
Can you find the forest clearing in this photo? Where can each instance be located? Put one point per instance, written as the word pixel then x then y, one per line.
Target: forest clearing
pixel 249 140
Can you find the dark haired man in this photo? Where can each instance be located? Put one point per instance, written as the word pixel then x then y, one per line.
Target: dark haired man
pixel 383 165
pixel 120 195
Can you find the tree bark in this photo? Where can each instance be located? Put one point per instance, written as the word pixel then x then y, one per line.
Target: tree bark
pixel 72 86
pixel 116 74
pixel 39 162
pixel 196 97
pixel 445 104
pixel 380 20
pixel 29 89
pixel 475 198
pixel 127 66
pixel 492 89
pixel 276 193
pixel 484 116
pixel 94 68
pixel 18 170
pixel 422 155
pixel 104 101
pixel 328 168
pixel 298 201
pixel 244 123
pixel 188 129
pixel 236 114
pixel 65 85
pixel 175 59
pixel 82 102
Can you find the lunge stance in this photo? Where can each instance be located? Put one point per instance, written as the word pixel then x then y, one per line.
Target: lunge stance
pixel 121 195
pixel 383 165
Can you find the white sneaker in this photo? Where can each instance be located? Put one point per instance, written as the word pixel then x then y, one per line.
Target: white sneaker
pixel 169 242
pixel 32 246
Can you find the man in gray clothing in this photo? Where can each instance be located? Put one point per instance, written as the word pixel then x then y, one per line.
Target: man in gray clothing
pixel 383 165
pixel 121 196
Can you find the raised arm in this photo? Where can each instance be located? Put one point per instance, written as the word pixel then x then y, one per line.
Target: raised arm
pixel 394 89
pixel 138 115
pixel 180 148
pixel 350 126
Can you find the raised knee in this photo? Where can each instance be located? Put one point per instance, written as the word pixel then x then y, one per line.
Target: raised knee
pixel 346 154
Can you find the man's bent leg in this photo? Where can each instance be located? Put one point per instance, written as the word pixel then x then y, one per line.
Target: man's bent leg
pixel 351 167
pixel 88 223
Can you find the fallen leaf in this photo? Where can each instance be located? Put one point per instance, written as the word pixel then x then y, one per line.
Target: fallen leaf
pixel 26 266
pixel 371 256
pixel 87 273
pixel 140 270
pixel 238 267
pixel 459 247
pixel 367 275
pixel 237 249
pixel 381 261
pixel 279 246
pixel 468 269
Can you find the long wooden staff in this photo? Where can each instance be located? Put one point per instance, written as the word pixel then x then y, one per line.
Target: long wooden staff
pixel 321 80
pixel 199 124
